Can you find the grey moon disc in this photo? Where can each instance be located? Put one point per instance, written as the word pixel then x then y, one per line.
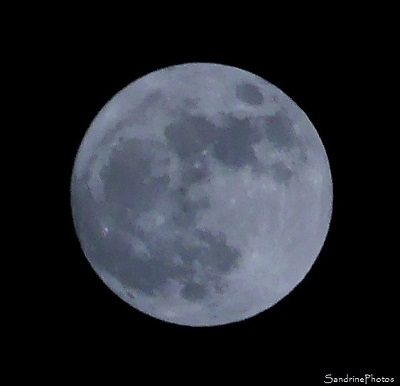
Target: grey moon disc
pixel 201 194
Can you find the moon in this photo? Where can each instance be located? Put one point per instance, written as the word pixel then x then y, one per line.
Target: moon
pixel 201 194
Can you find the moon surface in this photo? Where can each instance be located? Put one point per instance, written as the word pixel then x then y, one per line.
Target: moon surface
pixel 201 194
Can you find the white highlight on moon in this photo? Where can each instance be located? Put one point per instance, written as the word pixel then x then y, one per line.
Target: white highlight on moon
pixel 210 192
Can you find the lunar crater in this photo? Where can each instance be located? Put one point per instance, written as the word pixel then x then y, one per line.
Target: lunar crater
pixel 249 93
pixel 279 131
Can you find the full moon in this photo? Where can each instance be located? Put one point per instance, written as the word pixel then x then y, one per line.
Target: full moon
pixel 201 194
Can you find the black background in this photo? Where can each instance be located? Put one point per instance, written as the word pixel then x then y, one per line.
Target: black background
pixel 340 319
